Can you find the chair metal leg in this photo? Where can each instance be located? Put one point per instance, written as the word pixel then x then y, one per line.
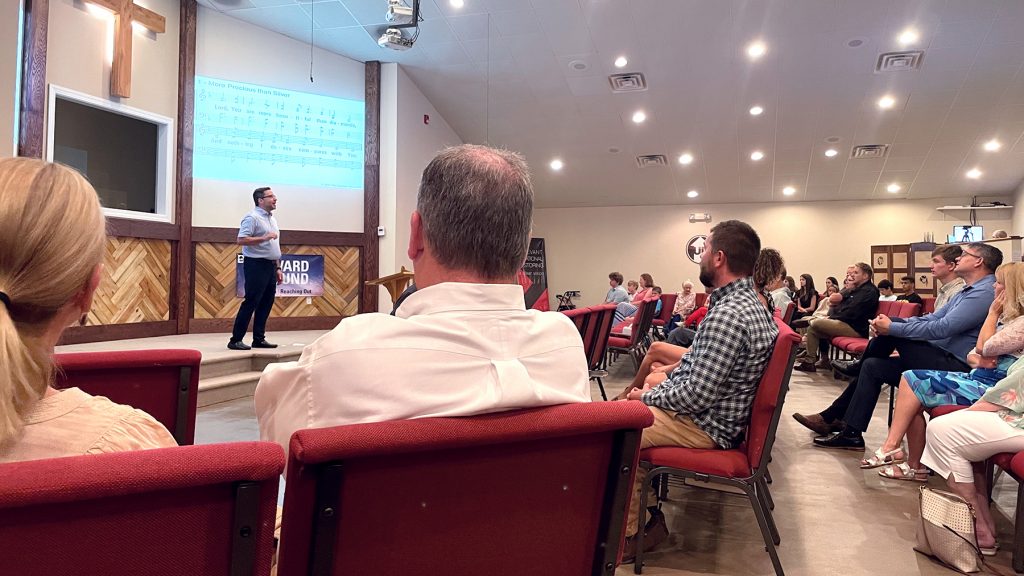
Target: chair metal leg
pixel 600 385
pixel 762 498
pixel 767 495
pixel 762 522
pixel 892 403
pixel 638 562
pixel 1018 532
pixel 768 475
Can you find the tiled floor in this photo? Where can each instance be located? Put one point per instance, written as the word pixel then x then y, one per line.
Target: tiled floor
pixel 833 517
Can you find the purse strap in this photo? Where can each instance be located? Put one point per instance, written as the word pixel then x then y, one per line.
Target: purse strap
pixel 981 557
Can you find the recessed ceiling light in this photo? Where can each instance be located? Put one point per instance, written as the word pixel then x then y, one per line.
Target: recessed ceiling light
pixel 973 174
pixel 621 62
pixel 686 159
pixel 789 190
pixel 907 37
pixel 886 102
pixel 457 3
pixel 993 145
pixel 756 155
pixel 692 194
pixel 556 164
pixel 756 49
pixel 894 188
pixel 831 152
pixel 756 111
pixel 639 116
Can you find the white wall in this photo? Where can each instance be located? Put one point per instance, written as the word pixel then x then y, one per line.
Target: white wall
pixel 413 145
pixel 9 50
pixel 1018 211
pixel 230 49
pixel 820 238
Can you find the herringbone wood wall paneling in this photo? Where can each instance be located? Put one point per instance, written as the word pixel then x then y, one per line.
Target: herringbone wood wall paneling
pixel 215 283
pixel 135 285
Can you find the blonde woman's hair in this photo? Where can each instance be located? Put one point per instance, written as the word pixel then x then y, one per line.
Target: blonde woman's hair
pixel 1011 276
pixel 52 234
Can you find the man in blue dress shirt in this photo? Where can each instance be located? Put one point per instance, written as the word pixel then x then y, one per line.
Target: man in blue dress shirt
pixel 261 249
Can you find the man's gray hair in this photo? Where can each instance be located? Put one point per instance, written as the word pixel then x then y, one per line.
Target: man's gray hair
pixel 476 204
pixel 991 256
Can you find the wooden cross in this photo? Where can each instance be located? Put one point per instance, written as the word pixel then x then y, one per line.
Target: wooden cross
pixel 126 11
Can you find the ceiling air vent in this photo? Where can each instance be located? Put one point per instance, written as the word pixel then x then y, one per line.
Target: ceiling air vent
pixel 870 151
pixel 631 82
pixel 899 61
pixel 651 160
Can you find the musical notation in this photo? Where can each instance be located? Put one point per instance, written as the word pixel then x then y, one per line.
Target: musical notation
pixel 251 133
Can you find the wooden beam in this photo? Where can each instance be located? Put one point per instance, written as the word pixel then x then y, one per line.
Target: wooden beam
pixel 369 268
pixel 288 237
pixel 32 132
pixel 182 296
pixel 152 21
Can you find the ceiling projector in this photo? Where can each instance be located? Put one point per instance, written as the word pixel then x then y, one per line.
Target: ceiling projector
pixel 392 38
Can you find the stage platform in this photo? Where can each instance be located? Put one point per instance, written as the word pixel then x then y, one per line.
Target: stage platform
pixel 225 374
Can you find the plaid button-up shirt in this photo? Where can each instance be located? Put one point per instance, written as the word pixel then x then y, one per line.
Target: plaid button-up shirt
pixel 717 379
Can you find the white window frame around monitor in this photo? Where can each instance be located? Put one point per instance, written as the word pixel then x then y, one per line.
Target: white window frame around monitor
pixel 164 150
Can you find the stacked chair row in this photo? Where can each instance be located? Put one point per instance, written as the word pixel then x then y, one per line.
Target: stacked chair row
pixel 636 342
pixel 594 323
pixel 403 497
pixel 668 303
pixel 854 346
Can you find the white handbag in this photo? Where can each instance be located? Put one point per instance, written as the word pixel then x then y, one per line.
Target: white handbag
pixel 946 530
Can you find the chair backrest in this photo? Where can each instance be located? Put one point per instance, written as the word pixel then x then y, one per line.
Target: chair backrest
pixel 668 302
pixel 643 319
pixel 907 309
pixel 699 299
pixel 578 317
pixel 885 307
pixel 787 317
pixel 603 317
pixel 198 510
pixel 162 383
pixel 542 491
pixel 929 305
pixel 771 393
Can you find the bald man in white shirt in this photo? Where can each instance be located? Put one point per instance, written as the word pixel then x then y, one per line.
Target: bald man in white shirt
pixel 464 342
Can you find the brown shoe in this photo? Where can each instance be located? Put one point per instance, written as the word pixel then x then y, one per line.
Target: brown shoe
pixel 805 367
pixel 655 532
pixel 816 423
pixel 823 364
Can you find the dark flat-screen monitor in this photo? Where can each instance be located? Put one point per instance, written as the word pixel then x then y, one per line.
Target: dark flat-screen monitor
pixel 967 233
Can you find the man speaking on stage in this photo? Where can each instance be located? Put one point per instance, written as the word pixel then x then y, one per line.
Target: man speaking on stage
pixel 261 249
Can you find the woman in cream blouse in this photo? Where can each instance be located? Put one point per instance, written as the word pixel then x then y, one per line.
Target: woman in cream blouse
pixel 52 235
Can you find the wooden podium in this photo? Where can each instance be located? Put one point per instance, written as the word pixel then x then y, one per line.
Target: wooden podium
pixel 395 283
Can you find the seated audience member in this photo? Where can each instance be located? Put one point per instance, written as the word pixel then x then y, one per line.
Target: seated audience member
pixel 885 293
pixel 655 291
pixel 944 271
pixel 820 312
pixel 52 237
pixel 616 293
pixel 854 306
pixel 997 349
pixel 806 298
pixel 631 287
pixel 939 341
pixel 790 284
pixel 907 285
pixel 992 425
pixel 831 281
pixel 769 279
pixel 683 335
pixel 685 303
pixel 705 402
pixel 626 309
pixel 464 343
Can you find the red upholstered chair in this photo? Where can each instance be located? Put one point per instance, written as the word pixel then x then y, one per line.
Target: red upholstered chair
pixel 787 316
pixel 578 317
pixel 596 346
pixel 668 302
pixel 636 343
pixel 540 491
pixel 162 383
pixel 744 467
pixel 197 510
pixel 699 299
pixel 929 305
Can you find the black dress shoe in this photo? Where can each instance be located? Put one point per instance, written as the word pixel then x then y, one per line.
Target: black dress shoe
pixel 849 369
pixel 841 441
pixel 263 344
pixel 238 345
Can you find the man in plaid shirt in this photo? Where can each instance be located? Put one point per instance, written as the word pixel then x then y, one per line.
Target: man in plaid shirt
pixel 706 401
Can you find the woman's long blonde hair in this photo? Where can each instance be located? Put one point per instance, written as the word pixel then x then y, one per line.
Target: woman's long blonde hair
pixel 52 234
pixel 1011 277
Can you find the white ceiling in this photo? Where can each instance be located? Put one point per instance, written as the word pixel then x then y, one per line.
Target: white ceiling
pixel 498 71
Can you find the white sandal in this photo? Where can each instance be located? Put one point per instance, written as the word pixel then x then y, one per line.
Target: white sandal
pixel 879 458
pixel 904 472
